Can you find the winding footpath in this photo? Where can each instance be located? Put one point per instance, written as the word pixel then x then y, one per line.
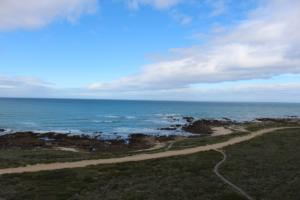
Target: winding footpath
pixel 236 188
pixel 138 157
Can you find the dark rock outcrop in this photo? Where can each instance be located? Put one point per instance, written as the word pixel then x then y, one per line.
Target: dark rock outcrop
pixel 30 140
pixel 226 119
pixel 139 140
pixel 165 138
pixel 188 119
pixel 168 129
pixel 198 127
pixel 271 119
pixel 291 121
pixel 203 126
pixel 172 127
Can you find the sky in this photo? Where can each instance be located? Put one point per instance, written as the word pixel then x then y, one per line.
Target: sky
pixel 191 50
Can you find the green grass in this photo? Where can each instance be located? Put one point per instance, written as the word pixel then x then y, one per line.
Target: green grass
pixel 179 178
pixel 266 167
pixel 18 157
pixel 263 125
pixel 14 158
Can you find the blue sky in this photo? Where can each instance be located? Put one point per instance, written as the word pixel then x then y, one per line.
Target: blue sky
pixel 151 49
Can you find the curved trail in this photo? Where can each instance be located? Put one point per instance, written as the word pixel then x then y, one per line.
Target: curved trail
pixel 138 157
pixel 236 188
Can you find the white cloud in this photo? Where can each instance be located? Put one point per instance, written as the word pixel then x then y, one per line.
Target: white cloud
pixel 264 45
pixel 158 4
pixel 219 7
pixel 36 13
pixel 266 92
pixel 263 91
pixel 24 87
pixel 183 19
pixel 14 82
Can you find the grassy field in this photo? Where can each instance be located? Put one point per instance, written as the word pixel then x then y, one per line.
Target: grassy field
pixel 271 124
pixel 173 178
pixel 266 167
pixel 17 157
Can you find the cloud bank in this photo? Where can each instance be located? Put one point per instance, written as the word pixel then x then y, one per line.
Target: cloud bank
pixel 31 14
pixel 264 92
pixel 24 87
pixel 268 92
pixel 264 45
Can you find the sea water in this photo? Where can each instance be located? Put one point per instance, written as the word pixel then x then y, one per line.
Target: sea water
pixel 123 117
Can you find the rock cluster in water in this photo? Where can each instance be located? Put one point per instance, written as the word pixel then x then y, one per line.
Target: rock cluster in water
pixel 200 126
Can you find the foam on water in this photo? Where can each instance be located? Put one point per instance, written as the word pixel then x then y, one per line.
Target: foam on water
pixel 124 117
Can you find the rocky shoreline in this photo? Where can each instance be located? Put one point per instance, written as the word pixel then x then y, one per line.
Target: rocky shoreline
pixel 32 140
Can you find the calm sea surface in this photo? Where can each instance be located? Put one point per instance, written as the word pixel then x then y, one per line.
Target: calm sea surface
pixel 114 117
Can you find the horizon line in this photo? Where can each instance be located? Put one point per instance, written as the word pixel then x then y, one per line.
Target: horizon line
pixel 152 100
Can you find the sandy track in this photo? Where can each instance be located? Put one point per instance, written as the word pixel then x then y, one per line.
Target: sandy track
pixel 235 187
pixel 139 157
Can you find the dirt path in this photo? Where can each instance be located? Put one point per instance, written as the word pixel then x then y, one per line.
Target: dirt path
pixel 236 188
pixel 139 157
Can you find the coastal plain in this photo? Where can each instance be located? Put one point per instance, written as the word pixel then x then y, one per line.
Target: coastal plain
pixel 266 167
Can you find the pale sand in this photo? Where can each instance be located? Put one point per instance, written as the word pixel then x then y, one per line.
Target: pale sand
pixel 139 157
pixel 217 131
pixel 66 149
pixel 221 130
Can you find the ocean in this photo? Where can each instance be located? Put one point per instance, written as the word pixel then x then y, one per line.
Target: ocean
pixel 122 117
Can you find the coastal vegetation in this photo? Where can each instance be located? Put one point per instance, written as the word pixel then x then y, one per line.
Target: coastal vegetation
pixel 27 148
pixel 15 157
pixel 265 167
pixel 262 123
